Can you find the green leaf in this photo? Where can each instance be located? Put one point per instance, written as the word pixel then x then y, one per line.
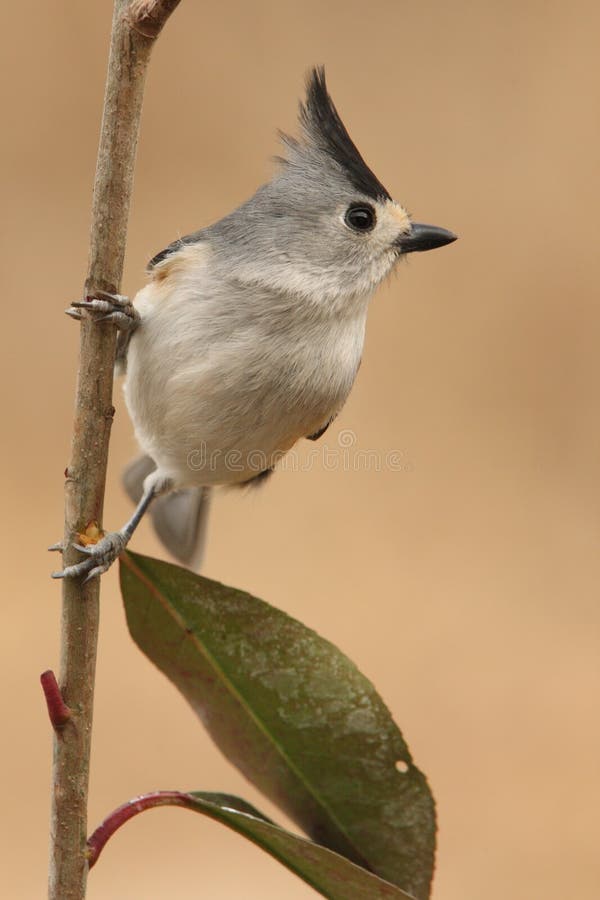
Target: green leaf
pixel 292 713
pixel 332 875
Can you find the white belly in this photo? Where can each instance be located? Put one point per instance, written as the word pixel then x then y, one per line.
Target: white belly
pixel 217 393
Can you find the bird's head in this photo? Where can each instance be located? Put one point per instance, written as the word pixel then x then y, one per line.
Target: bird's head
pixel 324 227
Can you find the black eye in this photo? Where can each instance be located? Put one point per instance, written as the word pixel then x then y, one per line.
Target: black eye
pixel 360 217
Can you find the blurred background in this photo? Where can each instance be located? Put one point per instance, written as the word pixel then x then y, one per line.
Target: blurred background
pixel 463 581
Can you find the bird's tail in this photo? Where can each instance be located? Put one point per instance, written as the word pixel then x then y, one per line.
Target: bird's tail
pixel 179 518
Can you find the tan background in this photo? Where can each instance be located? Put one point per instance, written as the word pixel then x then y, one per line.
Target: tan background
pixel 466 585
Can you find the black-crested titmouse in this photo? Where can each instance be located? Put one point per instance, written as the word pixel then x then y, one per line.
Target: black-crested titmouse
pixel 249 334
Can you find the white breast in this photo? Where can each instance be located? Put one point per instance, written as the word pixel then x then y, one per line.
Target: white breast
pixel 221 379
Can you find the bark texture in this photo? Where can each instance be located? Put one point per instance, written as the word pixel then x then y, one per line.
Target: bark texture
pixel 136 25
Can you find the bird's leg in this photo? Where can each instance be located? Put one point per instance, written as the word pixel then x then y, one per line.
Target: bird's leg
pixel 101 556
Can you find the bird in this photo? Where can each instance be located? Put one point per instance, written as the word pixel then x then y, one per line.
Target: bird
pixel 249 333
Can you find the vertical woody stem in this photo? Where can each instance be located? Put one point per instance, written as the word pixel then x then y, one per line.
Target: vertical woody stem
pixel 136 25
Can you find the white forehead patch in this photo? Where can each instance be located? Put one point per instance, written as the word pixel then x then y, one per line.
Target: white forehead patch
pixel 395 215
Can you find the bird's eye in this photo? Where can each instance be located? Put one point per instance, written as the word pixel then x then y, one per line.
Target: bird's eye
pixel 360 217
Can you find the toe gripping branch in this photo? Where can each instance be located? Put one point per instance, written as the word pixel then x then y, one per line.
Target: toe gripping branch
pixel 100 556
pixel 113 308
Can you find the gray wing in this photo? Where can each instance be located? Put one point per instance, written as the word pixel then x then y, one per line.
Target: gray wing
pixel 174 246
pixel 124 337
pixel 320 432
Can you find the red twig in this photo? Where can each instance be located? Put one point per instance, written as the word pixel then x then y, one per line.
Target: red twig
pixel 126 812
pixel 58 711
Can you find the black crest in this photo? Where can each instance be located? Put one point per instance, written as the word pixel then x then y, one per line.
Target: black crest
pixel 322 122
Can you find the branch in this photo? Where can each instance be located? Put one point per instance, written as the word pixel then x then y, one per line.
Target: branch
pixel 134 30
pixel 149 16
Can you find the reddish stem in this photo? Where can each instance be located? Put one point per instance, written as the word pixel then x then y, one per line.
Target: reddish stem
pixel 124 813
pixel 58 711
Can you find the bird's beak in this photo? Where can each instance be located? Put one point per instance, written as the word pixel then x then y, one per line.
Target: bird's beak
pixel 424 237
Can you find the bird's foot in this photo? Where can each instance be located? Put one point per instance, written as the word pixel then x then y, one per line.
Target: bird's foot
pixel 58 547
pixel 112 308
pixel 99 557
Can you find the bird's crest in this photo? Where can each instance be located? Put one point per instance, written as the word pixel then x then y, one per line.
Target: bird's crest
pixel 323 128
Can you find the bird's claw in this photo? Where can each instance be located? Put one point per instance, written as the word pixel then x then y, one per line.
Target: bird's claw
pixel 99 557
pixel 114 308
